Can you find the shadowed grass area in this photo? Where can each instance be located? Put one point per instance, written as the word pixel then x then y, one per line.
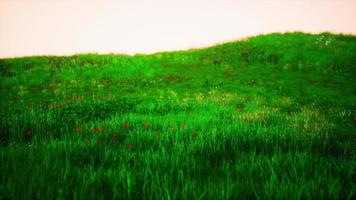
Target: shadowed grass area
pixel 269 117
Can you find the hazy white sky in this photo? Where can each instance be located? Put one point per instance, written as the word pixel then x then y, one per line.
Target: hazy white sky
pixel 42 27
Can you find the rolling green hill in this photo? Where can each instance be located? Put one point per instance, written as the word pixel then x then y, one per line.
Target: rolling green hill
pixel 267 117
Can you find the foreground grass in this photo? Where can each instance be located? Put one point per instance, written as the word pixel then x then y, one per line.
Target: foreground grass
pixel 270 117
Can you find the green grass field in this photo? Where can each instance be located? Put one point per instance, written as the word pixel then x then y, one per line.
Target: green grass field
pixel 268 117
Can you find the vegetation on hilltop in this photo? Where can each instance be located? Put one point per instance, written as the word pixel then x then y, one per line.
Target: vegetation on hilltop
pixel 268 117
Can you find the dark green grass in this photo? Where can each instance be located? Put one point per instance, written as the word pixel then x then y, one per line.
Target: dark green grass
pixel 269 117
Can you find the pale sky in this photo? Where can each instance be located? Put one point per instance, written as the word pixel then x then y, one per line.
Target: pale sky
pixel 64 27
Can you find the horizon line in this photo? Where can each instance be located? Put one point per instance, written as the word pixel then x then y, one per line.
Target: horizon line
pixel 200 47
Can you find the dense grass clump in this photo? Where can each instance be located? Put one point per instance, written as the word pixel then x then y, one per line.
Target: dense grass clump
pixel 269 117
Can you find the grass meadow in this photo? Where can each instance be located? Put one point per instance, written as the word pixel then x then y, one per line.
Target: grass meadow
pixel 267 117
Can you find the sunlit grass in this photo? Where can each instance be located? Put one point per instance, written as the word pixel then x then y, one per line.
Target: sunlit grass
pixel 270 117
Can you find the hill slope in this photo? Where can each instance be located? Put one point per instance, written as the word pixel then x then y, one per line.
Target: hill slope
pixel 272 116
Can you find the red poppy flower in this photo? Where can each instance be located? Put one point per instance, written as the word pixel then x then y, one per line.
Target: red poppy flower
pixel 146 125
pixel 78 129
pixel 130 147
pixel 28 133
pixel 126 125
pixel 100 130
pixel 194 133
pixel 238 108
pixel 99 141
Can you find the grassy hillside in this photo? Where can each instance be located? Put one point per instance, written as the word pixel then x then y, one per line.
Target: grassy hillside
pixel 269 117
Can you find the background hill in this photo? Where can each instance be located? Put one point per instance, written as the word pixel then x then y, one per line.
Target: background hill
pixel 271 116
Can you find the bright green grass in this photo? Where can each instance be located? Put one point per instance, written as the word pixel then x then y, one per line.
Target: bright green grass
pixel 269 117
